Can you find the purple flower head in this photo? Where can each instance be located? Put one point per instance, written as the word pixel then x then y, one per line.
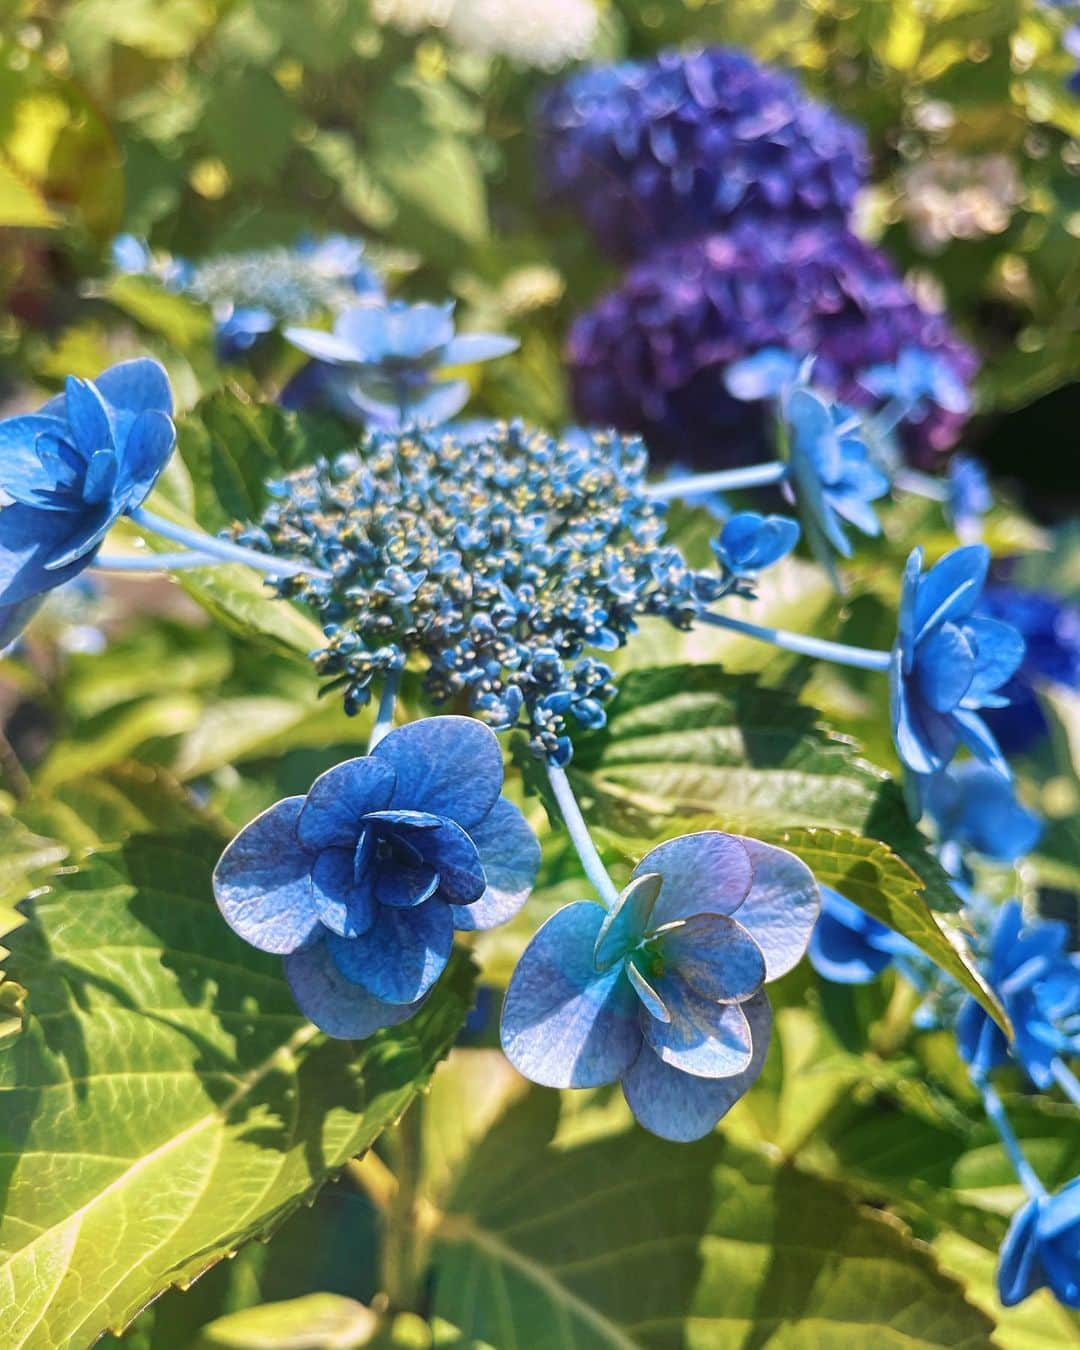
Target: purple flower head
pixel 974 807
pixel 385 360
pixel 850 947
pixel 654 354
pixel 72 469
pixel 1038 982
pixel 947 663
pixel 361 884
pixel 664 993
pixel 749 542
pixel 674 147
pixel 1051 630
pixel 1042 1249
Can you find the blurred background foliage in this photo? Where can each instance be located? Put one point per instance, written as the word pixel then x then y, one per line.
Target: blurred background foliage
pixel 213 126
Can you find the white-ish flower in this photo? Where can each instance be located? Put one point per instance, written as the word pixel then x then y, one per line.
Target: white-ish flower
pixel 546 35
pixel 949 196
pixel 410 16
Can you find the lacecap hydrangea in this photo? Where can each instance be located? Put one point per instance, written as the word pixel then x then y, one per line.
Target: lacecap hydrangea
pixel 652 354
pixel 654 151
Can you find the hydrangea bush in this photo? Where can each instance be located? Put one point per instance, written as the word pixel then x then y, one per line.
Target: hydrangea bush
pixel 412 732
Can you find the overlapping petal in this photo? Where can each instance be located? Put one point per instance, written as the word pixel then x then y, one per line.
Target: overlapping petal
pixel 262 882
pixel 337 1005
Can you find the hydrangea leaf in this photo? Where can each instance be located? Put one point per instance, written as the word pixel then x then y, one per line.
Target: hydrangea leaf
pixel 627 1241
pixel 695 743
pixel 165 1101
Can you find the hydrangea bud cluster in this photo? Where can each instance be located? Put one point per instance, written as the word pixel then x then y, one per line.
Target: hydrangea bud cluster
pixel 682 144
pixel 498 553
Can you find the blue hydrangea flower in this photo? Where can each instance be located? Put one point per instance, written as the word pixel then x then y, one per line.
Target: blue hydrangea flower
pixel 848 946
pixel 974 807
pixel 387 360
pixel 750 542
pixel 1042 1249
pixel 969 494
pixel 1038 981
pixel 916 380
pixel 652 354
pixel 664 993
pixel 947 663
pixel 238 327
pixel 832 475
pixel 674 147
pixel 361 884
pixel 72 469
pixel 1051 629
pixel 769 373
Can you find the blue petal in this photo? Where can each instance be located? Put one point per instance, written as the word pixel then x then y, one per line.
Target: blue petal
pixel 450 766
pixel 1059 1213
pixel 510 856
pixel 1019 1271
pixel 402 887
pixel 856 512
pixel 625 926
pixel 88 416
pixel 843 954
pixel 262 882
pixel 951 589
pixel 999 650
pixel 455 857
pixel 563 1024
pixel 468 348
pixel 364 330
pixel 909 591
pixel 781 908
pixel 136 386
pixel 340 798
pixel 945 667
pixel 401 955
pixel 28 539
pixel 710 1040
pixel 341 905
pixel 328 347
pixel 979 739
pixel 146 450
pixel 979 1040
pixel 925 740
pixel 22 474
pixel 417 330
pixel 681 1107
pixel 87 529
pixel 335 1004
pixel 704 873
pixel 715 956
pixel 14 618
pixel 763 375
pixel 441 402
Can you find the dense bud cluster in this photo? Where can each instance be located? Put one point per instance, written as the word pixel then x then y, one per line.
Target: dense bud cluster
pixel 498 553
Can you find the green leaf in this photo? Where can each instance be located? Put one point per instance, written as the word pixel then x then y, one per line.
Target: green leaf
pixel 23 856
pixel 696 742
pixel 179 320
pixel 165 1102
pixel 21 204
pixel 315 1322
pixel 630 1242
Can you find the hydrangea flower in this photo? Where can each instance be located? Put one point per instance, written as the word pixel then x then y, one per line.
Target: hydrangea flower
pixel 831 473
pixel 974 807
pixel 680 145
pixel 1042 1249
pixel 71 470
pixel 750 542
pixel 918 380
pixel 361 883
pixel 663 994
pixel 1051 629
pixel 848 946
pixel 653 354
pixel 969 494
pixel 499 554
pixel 948 663
pixel 1038 981
pixel 386 360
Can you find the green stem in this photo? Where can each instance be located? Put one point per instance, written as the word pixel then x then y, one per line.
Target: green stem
pixel 402 1247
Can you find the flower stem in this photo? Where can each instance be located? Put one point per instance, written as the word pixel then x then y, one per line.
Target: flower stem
pixel 222 548
pixel 384 718
pixel 580 837
pixel 863 658
pixel 995 1112
pixel 1066 1080
pixel 153 562
pixel 921 484
pixel 401 1246
pixel 724 480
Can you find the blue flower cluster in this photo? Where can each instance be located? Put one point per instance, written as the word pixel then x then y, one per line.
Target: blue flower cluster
pixel 664 993
pixel 653 354
pixel 70 471
pixel 501 555
pixel 254 293
pixel 361 883
pixel 654 151
pixel 1041 1248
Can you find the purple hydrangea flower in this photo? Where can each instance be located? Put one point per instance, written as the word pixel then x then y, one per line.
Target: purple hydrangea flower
pixel 385 360
pixel 947 663
pixel 1038 981
pixel 661 150
pixel 653 354
pixel 71 470
pixel 361 884
pixel 848 946
pixel 1042 1249
pixel 664 993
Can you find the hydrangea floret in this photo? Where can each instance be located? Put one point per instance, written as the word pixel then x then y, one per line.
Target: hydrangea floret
pixel 974 808
pixel 664 992
pixel 387 361
pixel 361 883
pixel 1042 1249
pixel 849 946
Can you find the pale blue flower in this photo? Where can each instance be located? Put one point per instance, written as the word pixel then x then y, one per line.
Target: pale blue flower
pixel 750 542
